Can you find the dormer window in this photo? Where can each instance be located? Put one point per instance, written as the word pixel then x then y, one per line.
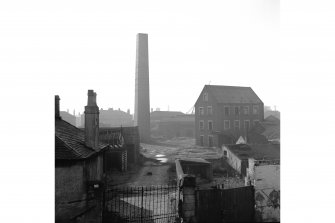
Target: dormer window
pixel 205 96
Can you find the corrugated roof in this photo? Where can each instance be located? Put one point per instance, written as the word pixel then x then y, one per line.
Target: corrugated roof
pixel 70 142
pixel 233 94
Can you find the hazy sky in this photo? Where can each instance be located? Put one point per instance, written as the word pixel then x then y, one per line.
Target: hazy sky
pixel 68 47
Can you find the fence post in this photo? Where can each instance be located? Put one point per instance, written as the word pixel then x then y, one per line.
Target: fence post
pixel 142 206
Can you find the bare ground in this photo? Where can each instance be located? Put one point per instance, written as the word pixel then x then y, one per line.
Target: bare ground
pixel 154 172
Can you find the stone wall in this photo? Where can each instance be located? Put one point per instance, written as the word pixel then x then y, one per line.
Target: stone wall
pixel 186 189
pixel 69 187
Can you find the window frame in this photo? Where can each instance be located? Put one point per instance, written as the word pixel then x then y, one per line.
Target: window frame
pixel 224 124
pixel 212 139
pixel 210 121
pixel 203 140
pixel 238 110
pixel 205 96
pixel 224 110
pixel 239 124
pixel 244 108
pixel 211 109
pixel 248 125
pixel 203 125
pixel 201 109
pixel 257 109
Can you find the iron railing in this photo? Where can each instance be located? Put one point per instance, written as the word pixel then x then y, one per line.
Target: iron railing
pixel 142 204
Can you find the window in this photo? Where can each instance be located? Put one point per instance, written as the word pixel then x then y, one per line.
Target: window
pixel 201 111
pixel 201 125
pixel 255 109
pixel 225 153
pixel 210 141
pixel 201 140
pixel 255 122
pixel 226 124
pixel 237 124
pixel 205 96
pixel 237 110
pixel 246 110
pixel 246 125
pixel 210 125
pixel 209 110
pixel 226 111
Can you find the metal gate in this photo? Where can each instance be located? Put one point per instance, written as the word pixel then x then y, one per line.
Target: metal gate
pixel 141 204
pixel 226 205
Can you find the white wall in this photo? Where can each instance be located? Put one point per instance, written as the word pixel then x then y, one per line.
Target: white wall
pixel 266 180
pixel 232 159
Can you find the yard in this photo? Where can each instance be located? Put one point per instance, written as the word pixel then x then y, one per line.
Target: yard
pixel 158 166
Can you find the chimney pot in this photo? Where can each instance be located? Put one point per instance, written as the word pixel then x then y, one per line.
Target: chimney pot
pixel 57 106
pixel 92 98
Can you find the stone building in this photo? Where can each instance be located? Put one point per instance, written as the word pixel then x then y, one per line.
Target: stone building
pixel 112 118
pixel 79 166
pixel 224 113
pixel 238 155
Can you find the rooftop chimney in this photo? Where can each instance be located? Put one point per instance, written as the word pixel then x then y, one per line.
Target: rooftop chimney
pixel 57 106
pixel 92 121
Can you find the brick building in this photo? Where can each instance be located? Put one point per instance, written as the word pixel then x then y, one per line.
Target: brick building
pixel 169 124
pixel 224 113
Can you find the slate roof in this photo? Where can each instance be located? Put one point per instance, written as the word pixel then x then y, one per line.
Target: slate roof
pixel 270 128
pixel 233 94
pixel 180 118
pixel 70 142
pixel 159 115
pixel 256 151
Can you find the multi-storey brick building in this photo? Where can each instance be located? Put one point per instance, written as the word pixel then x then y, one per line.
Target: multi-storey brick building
pixel 223 113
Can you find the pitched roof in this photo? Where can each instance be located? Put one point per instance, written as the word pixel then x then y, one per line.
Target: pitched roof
pixel 233 94
pixel 193 160
pixel 256 151
pixel 270 128
pixel 70 142
pixel 164 114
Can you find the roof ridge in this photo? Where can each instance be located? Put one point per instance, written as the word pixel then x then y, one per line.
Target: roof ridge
pixel 226 86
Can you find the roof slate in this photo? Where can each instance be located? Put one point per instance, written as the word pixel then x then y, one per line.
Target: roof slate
pixel 70 142
pixel 233 94
pixel 256 151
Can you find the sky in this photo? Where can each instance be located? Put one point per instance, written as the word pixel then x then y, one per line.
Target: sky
pixel 69 47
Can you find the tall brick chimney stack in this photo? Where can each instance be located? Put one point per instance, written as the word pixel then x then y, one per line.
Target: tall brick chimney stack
pixel 57 115
pixel 92 121
pixel 142 95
